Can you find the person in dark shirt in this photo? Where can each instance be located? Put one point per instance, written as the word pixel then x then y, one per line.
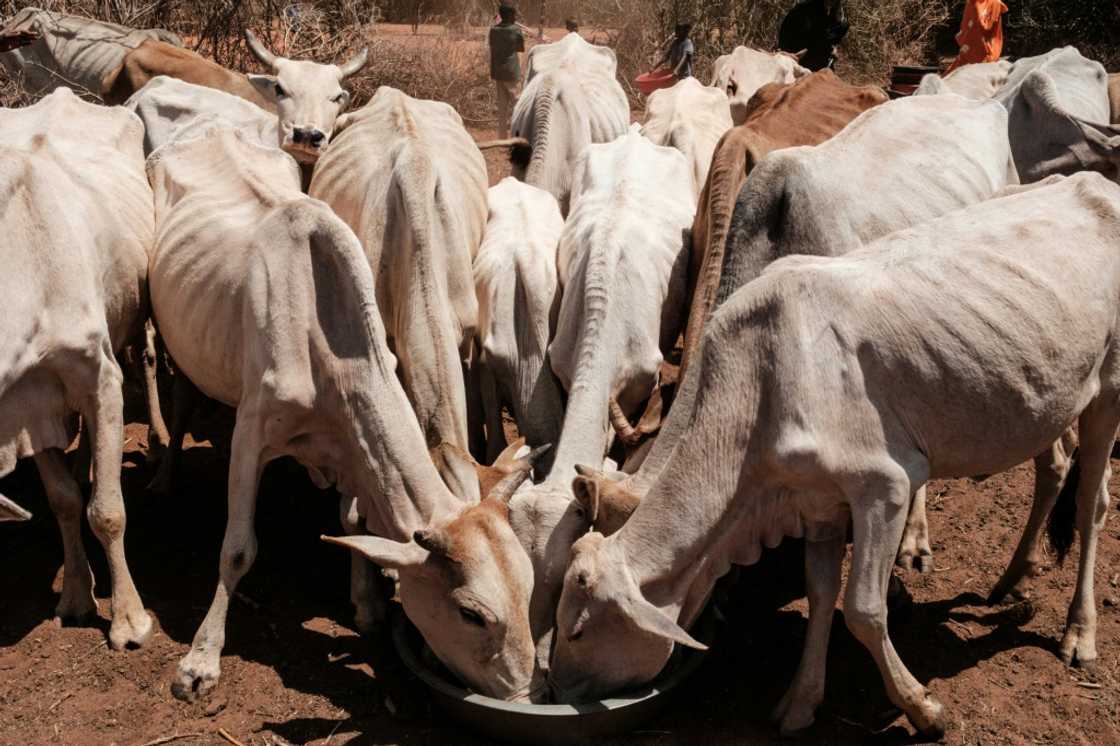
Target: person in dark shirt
pixel 815 27
pixel 680 54
pixel 506 44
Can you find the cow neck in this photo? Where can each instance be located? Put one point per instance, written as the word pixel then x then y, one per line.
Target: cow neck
pixel 702 509
pixel 398 479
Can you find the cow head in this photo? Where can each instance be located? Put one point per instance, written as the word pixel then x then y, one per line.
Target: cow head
pixel 466 585
pixel 741 73
pixel 309 97
pixel 608 636
pixel 9 511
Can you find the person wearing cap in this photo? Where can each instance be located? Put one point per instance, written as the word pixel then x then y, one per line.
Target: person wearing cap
pixel 815 27
pixel 506 44
pixel 981 34
pixel 680 54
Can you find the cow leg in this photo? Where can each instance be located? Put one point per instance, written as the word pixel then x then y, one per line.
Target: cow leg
pixel 492 404
pixel 158 437
pixel 199 670
pixel 76 604
pixel 131 625
pixel 83 456
pixel 185 399
pixel 878 520
pixel 1050 469
pixel 370 609
pixel 915 551
pixel 823 560
pixel 1097 429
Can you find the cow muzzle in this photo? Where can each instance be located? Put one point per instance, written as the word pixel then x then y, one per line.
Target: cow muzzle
pixel 305 143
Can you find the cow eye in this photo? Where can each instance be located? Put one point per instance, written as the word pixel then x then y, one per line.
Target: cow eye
pixel 338 99
pixel 279 91
pixel 732 88
pixel 470 616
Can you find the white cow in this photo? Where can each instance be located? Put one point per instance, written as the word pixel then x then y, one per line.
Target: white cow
pixel 266 302
pixel 692 118
pixel 569 103
pixel 72 51
pixel 745 70
pixel 834 388
pixel 623 265
pixel 518 301
pixel 936 154
pixel 1059 116
pixel 405 175
pixel 573 48
pixel 169 106
pixel 978 81
pixel 76 225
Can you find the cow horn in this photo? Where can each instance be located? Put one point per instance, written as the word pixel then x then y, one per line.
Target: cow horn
pixel 259 50
pixel 9 511
pixel 354 64
pixel 626 432
pixel 504 490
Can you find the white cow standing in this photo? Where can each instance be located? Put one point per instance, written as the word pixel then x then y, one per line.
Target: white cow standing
pixel 978 81
pixel 692 118
pixel 623 265
pixel 834 388
pixel 937 154
pixel 72 51
pixel 266 301
pixel 518 302
pixel 77 227
pixel 741 73
pixel 406 176
pixel 571 100
pixel 168 106
pixel 1059 116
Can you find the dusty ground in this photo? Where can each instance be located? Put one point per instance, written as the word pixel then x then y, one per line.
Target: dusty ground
pixel 295 671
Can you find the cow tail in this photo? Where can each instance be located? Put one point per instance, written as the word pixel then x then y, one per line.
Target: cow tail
pixel 1059 529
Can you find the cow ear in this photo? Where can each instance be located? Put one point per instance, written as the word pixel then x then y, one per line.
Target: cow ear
pixel 508 460
pixel 265 85
pixel 651 619
pixel 586 489
pixel 394 555
pixel 1103 139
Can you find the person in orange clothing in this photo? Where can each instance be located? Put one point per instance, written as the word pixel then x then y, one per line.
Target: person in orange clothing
pixel 981 34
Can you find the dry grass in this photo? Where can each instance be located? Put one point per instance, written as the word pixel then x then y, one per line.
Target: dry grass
pixel 449 62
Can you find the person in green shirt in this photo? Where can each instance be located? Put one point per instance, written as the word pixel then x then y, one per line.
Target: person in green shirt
pixel 506 45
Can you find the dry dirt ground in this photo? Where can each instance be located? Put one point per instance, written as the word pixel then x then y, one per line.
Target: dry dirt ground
pixel 295 672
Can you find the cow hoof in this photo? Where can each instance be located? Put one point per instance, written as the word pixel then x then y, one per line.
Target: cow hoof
pixel 1079 648
pixel 196 676
pixel 76 609
pixel 130 630
pixel 930 720
pixel 923 563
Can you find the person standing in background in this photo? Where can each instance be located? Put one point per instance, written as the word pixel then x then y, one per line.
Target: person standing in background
pixel 506 45
pixel 680 53
pixel 572 26
pixel 981 34
pixel 815 27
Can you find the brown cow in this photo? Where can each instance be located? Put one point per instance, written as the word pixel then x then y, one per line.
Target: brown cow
pixel 806 112
pixel 154 58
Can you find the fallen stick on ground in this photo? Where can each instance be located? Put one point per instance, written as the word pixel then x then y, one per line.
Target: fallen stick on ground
pixel 225 734
pixel 173 737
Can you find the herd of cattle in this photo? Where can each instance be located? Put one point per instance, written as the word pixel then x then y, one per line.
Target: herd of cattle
pixel 872 294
